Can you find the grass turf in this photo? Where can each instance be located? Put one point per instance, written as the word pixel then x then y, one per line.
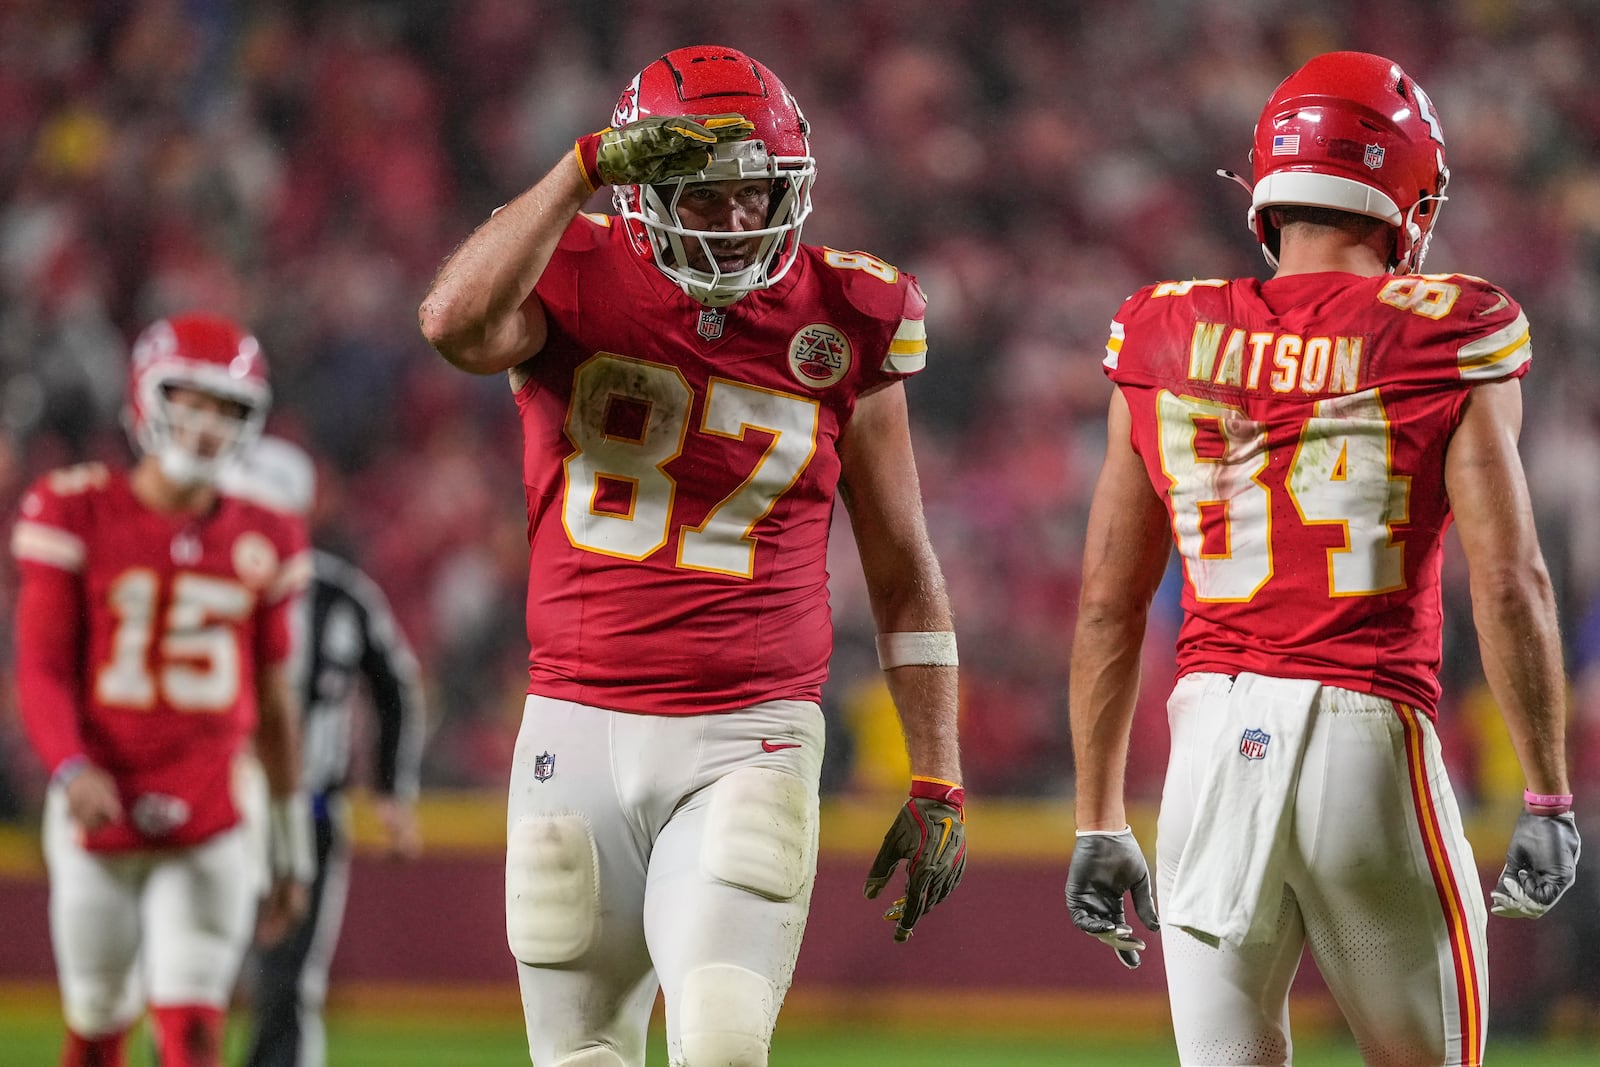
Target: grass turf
pixel 410 1042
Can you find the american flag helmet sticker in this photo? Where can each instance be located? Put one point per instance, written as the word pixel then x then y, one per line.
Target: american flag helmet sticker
pixel 1286 144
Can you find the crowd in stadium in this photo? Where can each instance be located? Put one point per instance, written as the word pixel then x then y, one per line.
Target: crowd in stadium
pixel 305 166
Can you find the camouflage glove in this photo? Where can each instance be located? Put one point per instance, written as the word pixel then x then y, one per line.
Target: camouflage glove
pixel 1106 866
pixel 1541 864
pixel 654 149
pixel 930 834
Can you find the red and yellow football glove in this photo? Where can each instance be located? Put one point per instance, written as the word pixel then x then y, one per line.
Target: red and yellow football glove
pixel 655 149
pixel 929 833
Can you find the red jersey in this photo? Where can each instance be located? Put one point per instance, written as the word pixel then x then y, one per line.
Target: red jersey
pixel 139 635
pixel 680 464
pixel 1296 429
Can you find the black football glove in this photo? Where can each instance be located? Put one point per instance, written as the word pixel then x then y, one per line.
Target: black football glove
pixel 1541 864
pixel 929 833
pixel 1104 867
pixel 657 148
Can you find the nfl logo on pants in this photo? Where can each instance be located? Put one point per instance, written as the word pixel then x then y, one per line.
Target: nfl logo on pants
pixel 544 765
pixel 1253 745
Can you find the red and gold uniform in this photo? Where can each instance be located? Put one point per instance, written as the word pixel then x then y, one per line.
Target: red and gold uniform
pixel 1296 429
pixel 140 634
pixel 681 463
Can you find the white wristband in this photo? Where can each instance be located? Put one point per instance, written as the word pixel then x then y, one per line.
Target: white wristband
pixel 917 649
pixel 289 851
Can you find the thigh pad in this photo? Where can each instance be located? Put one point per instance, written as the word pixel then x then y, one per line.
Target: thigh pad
pixel 552 889
pixel 761 832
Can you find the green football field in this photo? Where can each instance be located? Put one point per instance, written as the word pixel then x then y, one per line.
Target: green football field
pixel 371 1042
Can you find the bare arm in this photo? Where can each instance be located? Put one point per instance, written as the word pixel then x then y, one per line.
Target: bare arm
pixel 480 312
pixel 278 750
pixel 1125 554
pixel 278 729
pixel 904 583
pixel 1513 604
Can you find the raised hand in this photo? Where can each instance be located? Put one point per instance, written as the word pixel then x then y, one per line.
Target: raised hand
pixel 655 149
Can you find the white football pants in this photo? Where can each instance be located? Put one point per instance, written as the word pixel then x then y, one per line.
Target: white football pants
pixel 167 927
pixel 1379 881
pixel 646 849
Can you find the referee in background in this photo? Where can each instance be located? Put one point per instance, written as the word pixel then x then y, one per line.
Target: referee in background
pixel 349 634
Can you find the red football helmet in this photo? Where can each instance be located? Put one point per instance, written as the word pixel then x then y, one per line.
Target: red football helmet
pixel 208 354
pixel 1351 131
pixel 708 80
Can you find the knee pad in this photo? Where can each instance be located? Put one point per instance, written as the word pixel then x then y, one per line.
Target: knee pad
pixel 97 1015
pixel 725 1018
pixel 761 830
pixel 595 1056
pixel 552 889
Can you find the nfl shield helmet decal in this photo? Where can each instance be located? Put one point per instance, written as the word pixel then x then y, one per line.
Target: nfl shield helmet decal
pixel 819 355
pixel 1253 745
pixel 1374 156
pixel 544 766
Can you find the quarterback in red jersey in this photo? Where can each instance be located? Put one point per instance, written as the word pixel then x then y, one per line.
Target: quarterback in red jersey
pixel 152 639
pixel 1304 442
pixel 696 387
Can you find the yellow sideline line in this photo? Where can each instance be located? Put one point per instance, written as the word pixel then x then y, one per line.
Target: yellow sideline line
pixel 423 1006
pixel 999 831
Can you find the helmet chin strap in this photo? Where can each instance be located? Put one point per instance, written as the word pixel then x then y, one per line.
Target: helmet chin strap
pixel 1231 176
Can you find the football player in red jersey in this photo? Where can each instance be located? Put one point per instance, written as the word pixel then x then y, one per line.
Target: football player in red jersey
pixel 1304 442
pixel 696 387
pixel 152 639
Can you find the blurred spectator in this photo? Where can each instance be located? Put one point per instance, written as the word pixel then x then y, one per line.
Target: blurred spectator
pixel 304 165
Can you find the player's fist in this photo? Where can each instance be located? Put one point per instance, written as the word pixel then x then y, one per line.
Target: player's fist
pixel 285 905
pixel 400 830
pixel 92 799
pixel 1105 867
pixel 655 149
pixel 1541 864
pixel 929 833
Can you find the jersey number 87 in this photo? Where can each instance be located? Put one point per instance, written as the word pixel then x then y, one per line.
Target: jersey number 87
pixel 618 496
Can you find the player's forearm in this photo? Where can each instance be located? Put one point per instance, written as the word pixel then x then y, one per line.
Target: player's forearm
pixel 927 701
pixel 1518 636
pixel 49 719
pixel 472 313
pixel 1102 689
pixel 49 686
pixel 911 599
pixel 278 734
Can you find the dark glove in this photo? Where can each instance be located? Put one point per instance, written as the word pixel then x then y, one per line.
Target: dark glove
pixel 930 834
pixel 1541 864
pixel 1104 867
pixel 654 149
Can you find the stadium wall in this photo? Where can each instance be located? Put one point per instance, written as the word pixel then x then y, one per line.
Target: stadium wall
pixel 429 933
